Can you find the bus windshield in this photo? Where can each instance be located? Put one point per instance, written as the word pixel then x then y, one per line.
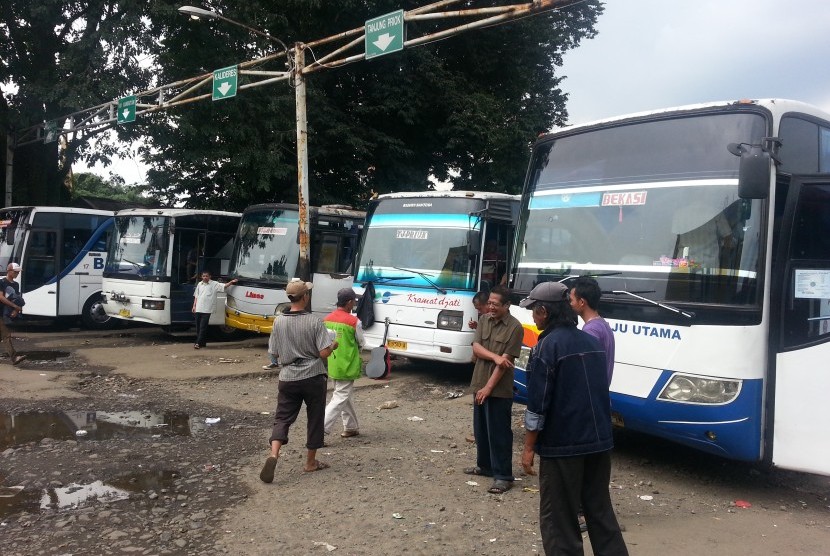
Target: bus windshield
pixel 422 247
pixel 266 249
pixel 668 226
pixel 139 248
pixel 11 235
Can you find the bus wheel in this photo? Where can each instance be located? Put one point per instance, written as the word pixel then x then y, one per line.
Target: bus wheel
pixel 224 333
pixel 93 315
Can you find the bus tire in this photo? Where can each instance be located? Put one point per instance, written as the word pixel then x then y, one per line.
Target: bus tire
pixel 93 315
pixel 224 333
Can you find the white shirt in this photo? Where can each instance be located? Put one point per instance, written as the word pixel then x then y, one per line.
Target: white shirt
pixel 205 295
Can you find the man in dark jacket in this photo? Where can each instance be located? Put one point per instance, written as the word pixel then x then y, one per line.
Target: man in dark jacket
pixel 568 423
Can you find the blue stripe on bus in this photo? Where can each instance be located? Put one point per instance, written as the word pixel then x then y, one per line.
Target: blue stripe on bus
pixel 96 235
pixel 426 220
pixel 737 426
pixel 384 292
pixel 567 200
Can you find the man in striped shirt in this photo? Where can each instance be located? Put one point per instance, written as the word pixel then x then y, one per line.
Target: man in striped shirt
pixel 302 342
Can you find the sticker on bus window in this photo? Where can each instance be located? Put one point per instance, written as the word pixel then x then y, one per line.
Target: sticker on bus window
pixel 127 239
pixel 266 231
pixel 812 284
pixel 5 223
pixel 411 234
pixel 624 198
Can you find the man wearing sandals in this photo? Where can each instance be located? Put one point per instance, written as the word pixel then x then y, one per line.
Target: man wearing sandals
pixel 12 310
pixel 568 423
pixel 497 343
pixel 344 364
pixel 302 342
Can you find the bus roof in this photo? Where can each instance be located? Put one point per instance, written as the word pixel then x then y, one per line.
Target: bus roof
pixel 66 210
pixel 172 212
pixel 325 210
pixel 776 106
pixel 449 194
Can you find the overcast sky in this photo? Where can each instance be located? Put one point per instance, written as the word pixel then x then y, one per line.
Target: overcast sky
pixel 651 54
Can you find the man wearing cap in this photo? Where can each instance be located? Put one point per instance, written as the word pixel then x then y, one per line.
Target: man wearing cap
pixel 497 343
pixel 10 290
pixel 568 423
pixel 302 342
pixel 344 364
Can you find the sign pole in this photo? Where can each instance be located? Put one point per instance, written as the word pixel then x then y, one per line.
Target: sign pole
pixel 304 262
pixel 9 167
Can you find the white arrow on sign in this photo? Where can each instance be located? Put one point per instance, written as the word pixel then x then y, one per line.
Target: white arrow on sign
pixel 224 88
pixel 126 113
pixel 384 41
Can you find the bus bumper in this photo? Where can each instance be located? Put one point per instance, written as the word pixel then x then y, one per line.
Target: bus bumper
pixel 449 346
pixel 251 323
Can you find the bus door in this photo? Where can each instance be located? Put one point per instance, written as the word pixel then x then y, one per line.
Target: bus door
pixel 332 257
pixel 40 268
pixel 801 436
pixel 186 264
pixel 495 258
pixel 81 271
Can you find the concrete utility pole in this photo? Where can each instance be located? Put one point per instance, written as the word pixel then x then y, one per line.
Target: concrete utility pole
pixel 379 36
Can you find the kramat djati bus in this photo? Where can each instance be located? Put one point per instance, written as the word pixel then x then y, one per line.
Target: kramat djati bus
pixel 155 258
pixel 265 254
pixel 62 253
pixel 425 256
pixel 708 229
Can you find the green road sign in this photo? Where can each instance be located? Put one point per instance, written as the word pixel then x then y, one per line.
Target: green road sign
pixel 224 83
pixel 384 34
pixel 126 110
pixel 50 132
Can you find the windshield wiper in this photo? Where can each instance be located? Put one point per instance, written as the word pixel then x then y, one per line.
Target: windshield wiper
pixel 686 314
pixel 425 277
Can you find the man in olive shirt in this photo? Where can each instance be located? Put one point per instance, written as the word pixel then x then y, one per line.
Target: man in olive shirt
pixel 497 343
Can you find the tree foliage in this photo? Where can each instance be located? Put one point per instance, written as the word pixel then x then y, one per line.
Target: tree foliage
pixel 466 107
pixel 86 184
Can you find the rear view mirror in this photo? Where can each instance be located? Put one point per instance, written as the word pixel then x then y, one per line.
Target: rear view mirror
pixel 754 170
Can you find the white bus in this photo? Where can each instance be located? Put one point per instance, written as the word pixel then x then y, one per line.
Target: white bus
pixel 708 229
pixel 62 253
pixel 426 255
pixel 155 258
pixel 265 254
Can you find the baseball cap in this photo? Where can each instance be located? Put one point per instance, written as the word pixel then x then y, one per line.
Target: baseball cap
pixel 552 292
pixel 14 266
pixel 345 295
pixel 297 287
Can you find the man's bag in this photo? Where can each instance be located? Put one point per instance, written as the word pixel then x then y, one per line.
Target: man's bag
pixel 380 362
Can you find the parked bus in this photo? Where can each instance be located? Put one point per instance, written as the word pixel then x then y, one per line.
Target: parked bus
pixel 426 255
pixel 62 253
pixel 265 254
pixel 708 229
pixel 155 258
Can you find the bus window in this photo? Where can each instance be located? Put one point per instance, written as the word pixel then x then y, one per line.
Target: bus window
pixel 40 264
pixel 77 231
pixel 328 247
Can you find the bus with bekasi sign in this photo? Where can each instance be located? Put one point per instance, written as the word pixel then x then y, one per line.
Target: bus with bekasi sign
pixel 155 258
pixel 424 256
pixel 266 250
pixel 708 230
pixel 61 252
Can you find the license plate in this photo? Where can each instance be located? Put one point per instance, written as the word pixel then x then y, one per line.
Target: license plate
pixel 396 344
pixel 617 420
pixel 124 313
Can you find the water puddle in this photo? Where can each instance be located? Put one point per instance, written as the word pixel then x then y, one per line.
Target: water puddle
pixel 21 428
pixel 16 499
pixel 45 355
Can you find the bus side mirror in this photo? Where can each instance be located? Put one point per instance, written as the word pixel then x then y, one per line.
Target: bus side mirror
pixel 754 170
pixel 10 231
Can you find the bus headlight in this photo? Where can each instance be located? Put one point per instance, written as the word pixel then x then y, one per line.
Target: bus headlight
pixel 230 302
pixel 450 320
pixel 153 304
pixel 703 390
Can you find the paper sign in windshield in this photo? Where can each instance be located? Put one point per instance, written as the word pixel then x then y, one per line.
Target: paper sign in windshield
pixel 411 234
pixel 624 198
pixel 266 231
pixel 812 284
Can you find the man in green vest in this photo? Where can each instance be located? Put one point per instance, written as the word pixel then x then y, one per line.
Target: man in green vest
pixel 344 363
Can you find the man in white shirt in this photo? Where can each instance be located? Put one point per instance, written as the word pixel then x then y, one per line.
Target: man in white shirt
pixel 204 301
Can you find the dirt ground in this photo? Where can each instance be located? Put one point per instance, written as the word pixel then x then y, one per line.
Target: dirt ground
pixel 150 476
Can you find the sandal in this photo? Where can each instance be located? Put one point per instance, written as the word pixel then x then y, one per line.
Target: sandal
pixel 196 346
pixel 349 434
pixel 267 473
pixel 476 471
pixel 18 359
pixel 318 466
pixel 500 487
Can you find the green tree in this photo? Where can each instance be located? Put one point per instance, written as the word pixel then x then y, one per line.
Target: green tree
pixel 469 106
pixel 86 184
pixel 59 57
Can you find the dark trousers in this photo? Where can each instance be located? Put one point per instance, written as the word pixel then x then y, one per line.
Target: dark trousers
pixel 494 437
pixel 202 320
pixel 564 483
pixel 290 399
pixel 6 339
